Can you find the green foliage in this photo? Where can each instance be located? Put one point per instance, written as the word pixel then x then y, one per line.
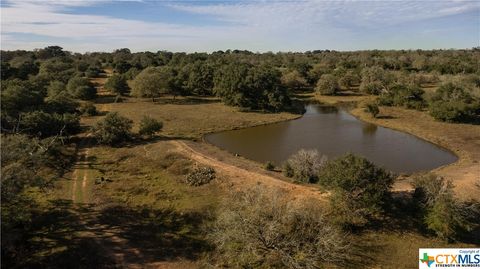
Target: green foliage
pixel 198 78
pixel 261 229
pixel 287 170
pixel 270 166
pixel 88 109
pixel 200 175
pixel 149 126
pixel 408 96
pixel 253 87
pixel 55 88
pixel 117 84
pixel 61 103
pixel 153 82
pixel 452 103
pixel 43 124
pixel 19 98
pixel 327 85
pixel 359 188
pixel 442 214
pixel 294 80
pixel 348 79
pixel 372 108
pixel 113 129
pixel 81 88
pixel 57 69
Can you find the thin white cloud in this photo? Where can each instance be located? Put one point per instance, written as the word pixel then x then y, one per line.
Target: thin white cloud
pixel 263 25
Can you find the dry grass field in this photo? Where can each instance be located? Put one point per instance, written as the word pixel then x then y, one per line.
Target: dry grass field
pixel 187 117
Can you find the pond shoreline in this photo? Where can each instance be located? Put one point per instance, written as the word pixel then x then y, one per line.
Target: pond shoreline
pixel 463 140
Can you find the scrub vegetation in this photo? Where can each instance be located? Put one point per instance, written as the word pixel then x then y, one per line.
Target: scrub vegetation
pixel 102 165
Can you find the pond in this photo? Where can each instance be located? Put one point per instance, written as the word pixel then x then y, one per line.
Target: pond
pixel 333 132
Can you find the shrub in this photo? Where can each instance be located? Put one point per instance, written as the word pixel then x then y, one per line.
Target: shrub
pixel 262 229
pixel 305 165
pixel 84 92
pixel 287 170
pixel 359 188
pixel 409 96
pixel 372 108
pixel 327 85
pixel 117 84
pixel 454 111
pixel 113 129
pixel 44 124
pixel 149 126
pixel 452 103
pixel 270 166
pixel 442 214
pixel 88 109
pixel 200 176
pixel 374 87
pixel 81 88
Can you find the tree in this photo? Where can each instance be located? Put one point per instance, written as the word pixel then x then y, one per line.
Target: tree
pixel 409 96
pixel 359 188
pixel 81 88
pixel 43 124
pixel 199 78
pixel 327 85
pixel 452 103
pixel 18 98
pixel 152 82
pixel 248 86
pixel 305 165
pixel 442 214
pixel 261 229
pixel 374 80
pixel 348 79
pixel 117 84
pixel 113 129
pixel 294 80
pixel 149 126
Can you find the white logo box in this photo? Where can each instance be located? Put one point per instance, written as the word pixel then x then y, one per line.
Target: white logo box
pixel 448 258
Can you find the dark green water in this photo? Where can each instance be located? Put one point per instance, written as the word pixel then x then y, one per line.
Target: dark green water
pixel 334 132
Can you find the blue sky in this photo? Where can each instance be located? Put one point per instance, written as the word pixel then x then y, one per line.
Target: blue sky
pixel 88 25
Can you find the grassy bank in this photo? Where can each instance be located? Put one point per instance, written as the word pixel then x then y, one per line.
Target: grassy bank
pixel 185 117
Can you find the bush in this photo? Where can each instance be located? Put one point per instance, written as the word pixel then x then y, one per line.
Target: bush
pixel 149 126
pixel 305 165
pixel 81 88
pixel 442 214
pixel 372 108
pixel 113 129
pixel 287 170
pixel 84 92
pixel 44 124
pixel 327 85
pixel 409 96
pixel 200 176
pixel 270 166
pixel 359 188
pixel 374 87
pixel 454 111
pixel 262 229
pixel 117 84
pixel 88 109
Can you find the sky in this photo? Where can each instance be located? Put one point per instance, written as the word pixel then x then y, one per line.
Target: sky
pixel 259 26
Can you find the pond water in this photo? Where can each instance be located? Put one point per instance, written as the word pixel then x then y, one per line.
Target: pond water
pixel 333 132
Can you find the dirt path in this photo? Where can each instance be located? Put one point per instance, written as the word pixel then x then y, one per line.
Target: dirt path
pixel 241 178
